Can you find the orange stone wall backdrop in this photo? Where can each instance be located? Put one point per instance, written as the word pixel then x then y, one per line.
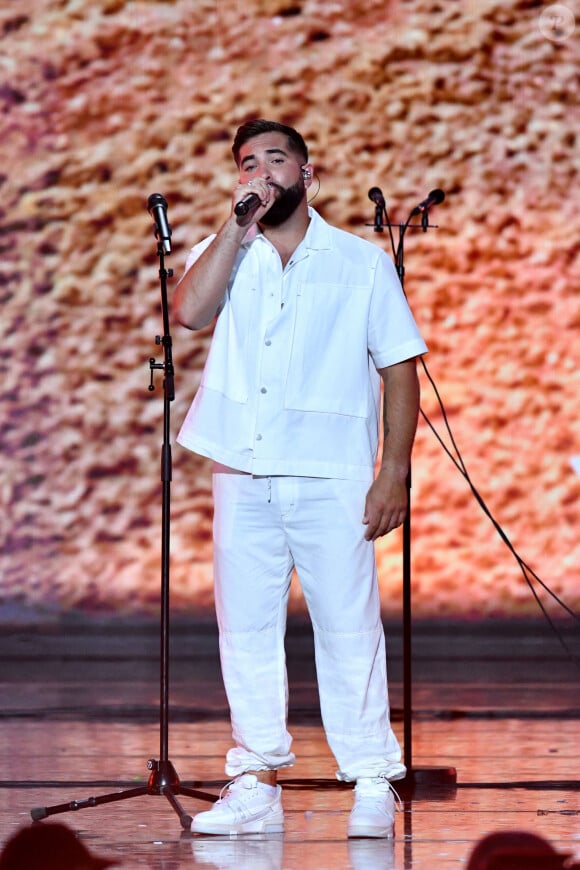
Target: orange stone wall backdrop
pixel 105 102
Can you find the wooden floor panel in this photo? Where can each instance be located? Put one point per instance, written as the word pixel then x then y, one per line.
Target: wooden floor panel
pixel 80 718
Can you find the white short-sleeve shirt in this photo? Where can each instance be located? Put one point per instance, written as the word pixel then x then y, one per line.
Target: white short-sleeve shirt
pixel 290 385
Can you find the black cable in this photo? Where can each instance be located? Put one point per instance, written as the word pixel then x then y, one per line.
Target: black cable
pixel 460 465
pixel 312 198
pixel 524 567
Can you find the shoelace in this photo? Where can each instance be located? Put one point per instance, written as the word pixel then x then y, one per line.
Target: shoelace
pixel 230 788
pixel 238 798
pixel 377 798
pixel 398 801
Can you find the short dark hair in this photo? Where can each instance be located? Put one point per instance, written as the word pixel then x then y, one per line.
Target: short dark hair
pixel 258 126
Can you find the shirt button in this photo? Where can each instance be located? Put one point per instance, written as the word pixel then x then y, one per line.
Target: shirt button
pixel 258 437
pixel 263 390
pixel 268 342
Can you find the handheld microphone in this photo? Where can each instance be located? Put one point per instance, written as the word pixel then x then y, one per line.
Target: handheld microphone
pixel 157 208
pixel 376 196
pixel 247 204
pixel 435 197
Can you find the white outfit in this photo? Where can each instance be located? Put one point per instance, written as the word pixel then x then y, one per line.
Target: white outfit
pixel 290 397
pixel 290 385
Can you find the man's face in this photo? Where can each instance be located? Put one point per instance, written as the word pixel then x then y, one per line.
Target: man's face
pixel 268 156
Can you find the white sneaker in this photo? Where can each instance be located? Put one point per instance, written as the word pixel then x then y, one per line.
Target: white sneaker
pixel 373 813
pixel 247 807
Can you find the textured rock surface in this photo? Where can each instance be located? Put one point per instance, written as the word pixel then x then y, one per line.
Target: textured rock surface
pixel 106 102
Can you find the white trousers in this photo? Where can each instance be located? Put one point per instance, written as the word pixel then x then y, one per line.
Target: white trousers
pixel 263 528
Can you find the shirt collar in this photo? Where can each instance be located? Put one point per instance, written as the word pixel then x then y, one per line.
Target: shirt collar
pixel 317 236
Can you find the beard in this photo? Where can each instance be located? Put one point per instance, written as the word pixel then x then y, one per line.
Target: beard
pixel 286 204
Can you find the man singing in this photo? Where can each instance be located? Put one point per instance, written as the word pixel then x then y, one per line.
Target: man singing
pixel 309 321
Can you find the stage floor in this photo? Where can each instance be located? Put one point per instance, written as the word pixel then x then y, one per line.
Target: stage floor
pixel 499 702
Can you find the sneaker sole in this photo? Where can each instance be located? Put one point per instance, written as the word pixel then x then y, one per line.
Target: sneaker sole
pixel 256 826
pixel 370 831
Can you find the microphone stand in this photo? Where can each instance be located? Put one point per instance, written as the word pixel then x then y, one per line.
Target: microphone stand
pixel 163 779
pixel 442 777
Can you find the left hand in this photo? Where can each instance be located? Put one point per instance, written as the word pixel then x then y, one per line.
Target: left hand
pixel 385 506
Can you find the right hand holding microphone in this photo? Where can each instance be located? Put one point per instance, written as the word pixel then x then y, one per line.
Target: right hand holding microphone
pixel 253 199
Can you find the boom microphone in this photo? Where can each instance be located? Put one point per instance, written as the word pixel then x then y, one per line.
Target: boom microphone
pixel 376 196
pixel 435 197
pixel 157 208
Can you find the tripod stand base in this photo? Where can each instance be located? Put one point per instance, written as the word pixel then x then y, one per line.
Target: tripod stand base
pixel 163 780
pixel 426 780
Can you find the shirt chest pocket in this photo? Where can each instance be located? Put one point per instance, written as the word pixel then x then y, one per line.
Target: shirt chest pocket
pixel 328 369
